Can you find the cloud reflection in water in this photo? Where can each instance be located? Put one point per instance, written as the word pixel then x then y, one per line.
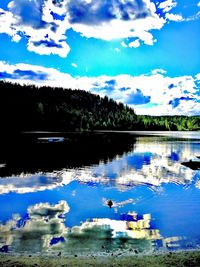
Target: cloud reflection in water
pixel 150 163
pixel 43 229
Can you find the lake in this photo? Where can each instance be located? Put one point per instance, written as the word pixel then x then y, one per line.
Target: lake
pixel 103 192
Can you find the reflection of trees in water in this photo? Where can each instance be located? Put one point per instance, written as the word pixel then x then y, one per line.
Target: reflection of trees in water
pixel 25 154
pixel 43 230
pixel 101 158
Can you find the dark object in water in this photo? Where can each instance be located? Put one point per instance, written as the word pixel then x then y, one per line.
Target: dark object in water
pixel 110 203
pixel 194 165
pixel 51 139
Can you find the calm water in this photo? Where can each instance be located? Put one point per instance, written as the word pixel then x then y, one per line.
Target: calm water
pixel 54 190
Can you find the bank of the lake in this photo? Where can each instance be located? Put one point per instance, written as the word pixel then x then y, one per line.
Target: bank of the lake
pixel 186 258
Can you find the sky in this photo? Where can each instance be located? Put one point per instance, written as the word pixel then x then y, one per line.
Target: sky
pixel 143 53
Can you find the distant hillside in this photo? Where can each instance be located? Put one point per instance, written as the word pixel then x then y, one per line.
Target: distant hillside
pixel 25 108
pixel 168 123
pixel 45 108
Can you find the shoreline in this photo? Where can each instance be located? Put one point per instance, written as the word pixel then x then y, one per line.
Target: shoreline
pixel 179 258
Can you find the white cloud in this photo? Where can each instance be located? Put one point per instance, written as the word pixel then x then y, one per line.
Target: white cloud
pixel 167 5
pixel 161 90
pixel 180 18
pixel 134 44
pixel 16 38
pixel 45 34
pixel 6 20
pixel 197 78
pixel 194 17
pixel 45 24
pixel 74 65
pixel 117 29
pixel 174 17
pixel 170 4
pixel 124 44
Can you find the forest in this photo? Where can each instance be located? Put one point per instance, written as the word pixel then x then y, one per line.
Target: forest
pixel 31 108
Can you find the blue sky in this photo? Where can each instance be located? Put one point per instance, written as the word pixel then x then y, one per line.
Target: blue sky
pixel 149 48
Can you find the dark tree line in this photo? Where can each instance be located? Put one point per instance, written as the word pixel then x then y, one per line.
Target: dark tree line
pixel 46 108
pixel 25 108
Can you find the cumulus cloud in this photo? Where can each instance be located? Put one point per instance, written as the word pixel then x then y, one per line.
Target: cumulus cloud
pixel 153 93
pixel 115 19
pixel 167 5
pixel 180 18
pixel 135 43
pixel 36 75
pixel 37 22
pixel 45 23
pixel 97 12
pixel 174 17
pixel 132 42
pixel 24 75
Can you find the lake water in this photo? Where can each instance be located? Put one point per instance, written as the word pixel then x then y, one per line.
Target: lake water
pixel 55 189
